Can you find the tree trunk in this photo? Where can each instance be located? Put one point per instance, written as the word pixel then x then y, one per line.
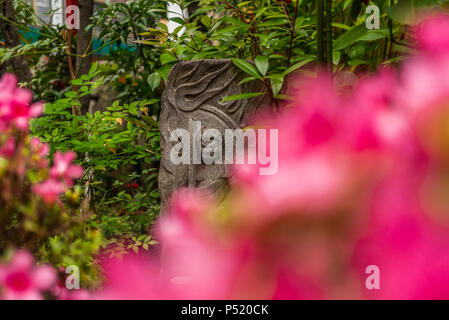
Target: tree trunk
pixel 83 46
pixel 12 39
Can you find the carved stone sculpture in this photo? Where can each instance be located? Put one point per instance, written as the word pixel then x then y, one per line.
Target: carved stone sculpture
pixel 194 92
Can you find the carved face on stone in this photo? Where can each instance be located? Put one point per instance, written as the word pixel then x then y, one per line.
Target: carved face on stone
pixel 194 92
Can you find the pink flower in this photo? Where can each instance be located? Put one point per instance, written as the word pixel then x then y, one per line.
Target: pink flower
pixel 61 174
pixel 432 34
pixel 424 79
pixel 190 206
pixel 49 190
pixel 194 265
pixel 14 105
pixel 424 82
pixel 411 250
pixel 63 168
pixel 21 281
pixel 132 278
pixel 320 161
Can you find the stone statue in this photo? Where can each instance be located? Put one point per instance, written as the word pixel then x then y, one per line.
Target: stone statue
pixel 194 92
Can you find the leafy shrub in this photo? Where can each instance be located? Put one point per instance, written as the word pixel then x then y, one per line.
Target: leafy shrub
pixel 32 215
pixel 121 150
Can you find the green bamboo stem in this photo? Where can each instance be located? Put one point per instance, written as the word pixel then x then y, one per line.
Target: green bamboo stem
pixel 329 51
pixel 320 31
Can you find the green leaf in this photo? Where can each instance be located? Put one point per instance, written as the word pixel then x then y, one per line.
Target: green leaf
pixel 163 26
pixel 276 86
pixel 297 66
pixel 154 80
pixel 262 64
pixel 242 96
pixel 350 36
pixel 284 97
pixel 260 12
pixel 178 20
pixel 340 26
pixel 247 67
pixel 151 101
pixel 375 35
pixel 92 70
pixel 141 237
pixel 206 21
pixel 167 58
pixel 247 79
pixel 76 82
pixel 395 59
pixel 70 94
pixel 274 22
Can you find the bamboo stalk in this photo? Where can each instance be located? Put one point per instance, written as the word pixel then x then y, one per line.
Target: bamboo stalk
pixel 320 30
pixel 329 51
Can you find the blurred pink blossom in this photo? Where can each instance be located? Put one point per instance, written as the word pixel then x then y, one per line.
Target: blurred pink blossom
pixel 63 168
pixel 21 281
pixel 320 164
pixel 411 250
pixel 432 34
pixel 14 105
pixel 132 277
pixel 50 190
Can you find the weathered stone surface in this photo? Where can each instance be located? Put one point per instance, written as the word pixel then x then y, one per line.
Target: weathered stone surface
pixel 194 92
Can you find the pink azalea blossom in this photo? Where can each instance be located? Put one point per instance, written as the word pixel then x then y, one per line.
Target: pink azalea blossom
pixel 192 265
pixel 15 106
pixel 432 34
pixel 411 250
pixel 132 278
pixel 50 190
pixel 21 281
pixel 195 266
pixel 320 166
pixel 63 168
